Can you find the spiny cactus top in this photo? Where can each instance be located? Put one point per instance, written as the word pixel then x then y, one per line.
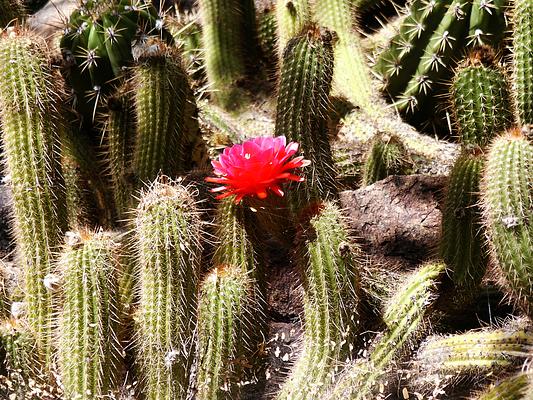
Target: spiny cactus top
pixel 255 167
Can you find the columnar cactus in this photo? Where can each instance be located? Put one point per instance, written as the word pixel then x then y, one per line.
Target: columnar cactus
pixel 166 131
pixel 303 100
pixel 476 352
pixel 508 210
pixel 404 320
pixel 462 243
pixel 480 99
pixel 387 156
pixel 331 301
pixel 224 41
pixel 523 59
pixel 31 127
pixel 168 246
pixel 292 17
pixel 267 36
pixel 88 345
pixel 511 388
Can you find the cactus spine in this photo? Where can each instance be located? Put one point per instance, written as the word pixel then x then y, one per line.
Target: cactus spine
pixel 461 245
pixel 508 210
pixel 330 304
pixel 480 99
pixel 404 322
pixel 89 351
pixel 292 16
pixel 168 234
pixel 512 388
pixel 387 156
pixel 31 127
pixel 523 59
pixel 303 101
pixel 474 352
pixel 165 129
pixel 224 44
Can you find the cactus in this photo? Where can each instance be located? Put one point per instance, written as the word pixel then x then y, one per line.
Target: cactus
pixel 507 210
pixel 462 242
pixel 306 75
pixel 224 40
pixel 419 56
pixel 97 44
pixel 10 10
pixel 481 103
pixel 167 130
pixel 523 59
pixel 31 128
pixel 511 388
pixel 331 301
pixel 404 319
pixel 267 36
pixel 88 346
pixel 387 156
pixel 168 246
pixel 476 352
pixel 292 17
pixel 118 134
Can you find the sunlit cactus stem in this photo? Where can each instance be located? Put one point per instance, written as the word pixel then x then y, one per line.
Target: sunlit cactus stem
pixel 512 388
pixel 88 345
pixel 522 16
pixel 331 303
pixel 387 156
pixel 292 16
pixel 303 101
pixel 31 128
pixel 168 247
pixel 508 211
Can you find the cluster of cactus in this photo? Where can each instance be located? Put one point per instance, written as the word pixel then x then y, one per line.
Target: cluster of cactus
pixel 174 299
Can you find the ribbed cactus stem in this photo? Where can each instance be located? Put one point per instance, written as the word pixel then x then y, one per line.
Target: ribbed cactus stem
pixel 303 100
pixel 168 246
pixel 511 388
pixel 267 35
pixel 331 300
pixel 118 133
pixel 480 98
pixel 226 318
pixel 477 352
pixel 224 44
pixel 523 59
pixel 292 16
pixel 31 127
pixel 462 243
pixel 352 77
pixel 404 319
pixel 508 211
pixel 165 129
pixel 88 346
pixel 387 156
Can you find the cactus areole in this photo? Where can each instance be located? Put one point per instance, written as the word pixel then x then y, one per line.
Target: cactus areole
pixel 255 167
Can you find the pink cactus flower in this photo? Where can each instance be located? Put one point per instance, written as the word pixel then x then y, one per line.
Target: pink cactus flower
pixel 256 167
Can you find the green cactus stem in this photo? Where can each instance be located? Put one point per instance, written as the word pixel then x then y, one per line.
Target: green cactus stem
pixel 404 319
pixel 224 41
pixel 523 59
pixel 511 388
pixel 352 76
pixel 387 156
pixel 331 300
pixel 267 35
pixel 508 210
pixel 31 128
pixel 462 242
pixel 292 16
pixel 480 98
pixel 168 247
pixel 88 347
pixel 10 10
pixel 226 315
pixel 477 352
pixel 119 130
pixel 303 102
pixel 167 133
